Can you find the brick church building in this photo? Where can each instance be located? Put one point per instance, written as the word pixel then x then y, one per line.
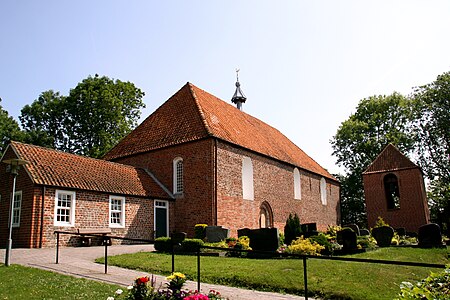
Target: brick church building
pixel 196 159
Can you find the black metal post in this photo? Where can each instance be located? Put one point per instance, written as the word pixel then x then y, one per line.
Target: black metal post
pixel 173 257
pixel 305 277
pixel 198 269
pixel 57 247
pixel 106 254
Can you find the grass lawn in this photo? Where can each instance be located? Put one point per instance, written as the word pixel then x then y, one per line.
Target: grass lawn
pixel 19 282
pixel 327 279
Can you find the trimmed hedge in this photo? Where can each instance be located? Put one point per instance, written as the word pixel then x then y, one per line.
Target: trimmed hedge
pixel 164 244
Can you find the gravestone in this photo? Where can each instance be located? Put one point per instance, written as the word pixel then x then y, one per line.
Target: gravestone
pixel 263 239
pixel 364 231
pixel 347 238
pixel 309 229
pixel 401 231
pixel 355 228
pixel 216 234
pixel 430 236
pixel 383 235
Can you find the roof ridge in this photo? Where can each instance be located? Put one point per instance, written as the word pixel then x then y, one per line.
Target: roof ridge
pixel 200 109
pixel 73 154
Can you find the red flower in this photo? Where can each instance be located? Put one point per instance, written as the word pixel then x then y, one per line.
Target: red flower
pixel 142 280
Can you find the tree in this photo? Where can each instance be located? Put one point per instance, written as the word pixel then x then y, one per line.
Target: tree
pixel 432 126
pixel 292 229
pixel 44 119
pixel 94 117
pixel 378 121
pixel 9 130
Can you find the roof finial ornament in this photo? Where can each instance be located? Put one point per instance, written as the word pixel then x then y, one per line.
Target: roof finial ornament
pixel 238 97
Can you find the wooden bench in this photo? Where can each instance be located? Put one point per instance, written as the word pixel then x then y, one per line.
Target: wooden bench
pixel 85 241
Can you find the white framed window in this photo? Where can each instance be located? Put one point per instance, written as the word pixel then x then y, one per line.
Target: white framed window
pixel 17 206
pixel 247 178
pixel 116 211
pixel 323 191
pixel 297 185
pixel 64 208
pixel 178 175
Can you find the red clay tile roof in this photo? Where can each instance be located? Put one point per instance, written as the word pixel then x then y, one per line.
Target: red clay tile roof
pixel 56 168
pixel 193 113
pixel 390 159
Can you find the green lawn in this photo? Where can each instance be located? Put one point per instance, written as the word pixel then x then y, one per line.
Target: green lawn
pixel 18 282
pixel 328 279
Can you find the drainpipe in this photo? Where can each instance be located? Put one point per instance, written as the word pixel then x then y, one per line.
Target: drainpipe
pixel 215 183
pixel 41 235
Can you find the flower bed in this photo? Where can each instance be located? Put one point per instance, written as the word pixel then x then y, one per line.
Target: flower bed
pixel 144 288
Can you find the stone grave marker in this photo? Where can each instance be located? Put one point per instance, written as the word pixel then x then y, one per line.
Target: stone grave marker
pixel 430 236
pixel 364 231
pixel 383 235
pixel 348 239
pixel 216 234
pixel 355 228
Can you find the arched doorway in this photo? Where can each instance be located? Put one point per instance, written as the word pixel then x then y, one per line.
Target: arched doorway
pixel 265 215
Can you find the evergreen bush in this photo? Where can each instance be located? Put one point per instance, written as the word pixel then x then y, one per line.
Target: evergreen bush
pixel 292 229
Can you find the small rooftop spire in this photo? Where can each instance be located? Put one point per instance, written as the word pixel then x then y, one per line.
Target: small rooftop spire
pixel 238 97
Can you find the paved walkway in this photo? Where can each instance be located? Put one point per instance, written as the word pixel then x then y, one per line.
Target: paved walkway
pixel 79 262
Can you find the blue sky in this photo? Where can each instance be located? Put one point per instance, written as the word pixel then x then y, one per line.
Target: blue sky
pixel 304 64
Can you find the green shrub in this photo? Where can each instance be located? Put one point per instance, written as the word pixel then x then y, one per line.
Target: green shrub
pixel 163 244
pixel 191 245
pixel 292 229
pixel 305 247
pixel 200 231
pixel 322 240
pixel 366 242
pixel 436 286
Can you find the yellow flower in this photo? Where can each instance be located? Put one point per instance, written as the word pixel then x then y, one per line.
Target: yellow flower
pixel 178 274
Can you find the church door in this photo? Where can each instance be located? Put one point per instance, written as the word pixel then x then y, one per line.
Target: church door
pixel 161 218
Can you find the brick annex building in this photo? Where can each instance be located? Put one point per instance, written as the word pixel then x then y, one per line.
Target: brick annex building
pixel 196 159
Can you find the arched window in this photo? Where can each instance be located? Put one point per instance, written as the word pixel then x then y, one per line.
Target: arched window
pixel 247 178
pixel 391 191
pixel 265 216
pixel 323 191
pixel 178 175
pixel 297 185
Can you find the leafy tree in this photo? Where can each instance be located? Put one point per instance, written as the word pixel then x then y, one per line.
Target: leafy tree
pixel 9 130
pixel 43 120
pixel 432 126
pixel 94 117
pixel 378 121
pixel 353 206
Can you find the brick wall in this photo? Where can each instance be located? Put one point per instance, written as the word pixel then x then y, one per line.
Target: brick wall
pixel 413 211
pixel 195 205
pixel 22 236
pixel 274 184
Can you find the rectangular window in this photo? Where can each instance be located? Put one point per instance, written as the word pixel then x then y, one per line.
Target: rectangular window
pixel 17 205
pixel 116 211
pixel 64 208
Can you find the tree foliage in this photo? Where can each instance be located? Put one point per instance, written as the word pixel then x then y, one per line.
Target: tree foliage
pixel 44 120
pixel 292 229
pixel 94 117
pixel 9 130
pixel 378 121
pixel 432 112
